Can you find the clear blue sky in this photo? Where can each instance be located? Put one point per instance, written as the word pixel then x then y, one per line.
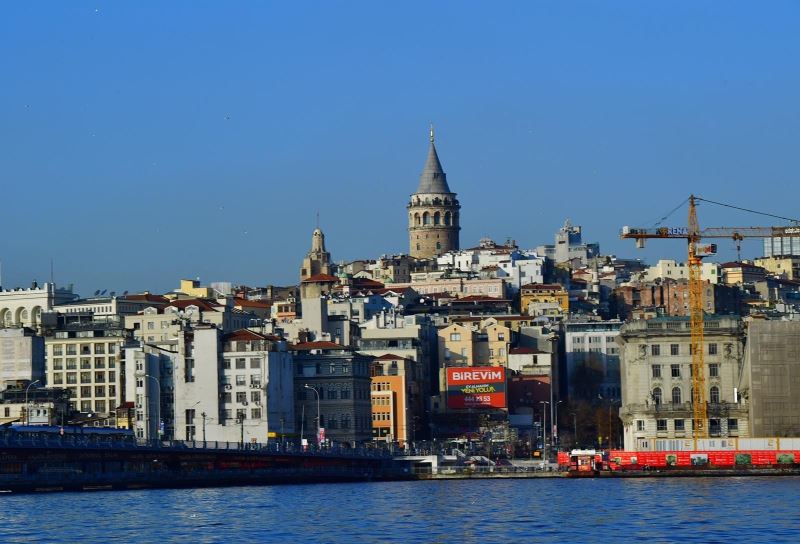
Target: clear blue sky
pixel 142 142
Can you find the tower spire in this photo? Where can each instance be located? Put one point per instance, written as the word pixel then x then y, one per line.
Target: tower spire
pixel 432 135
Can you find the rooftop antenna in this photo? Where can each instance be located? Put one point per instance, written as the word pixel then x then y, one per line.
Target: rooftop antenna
pixel 318 219
pixel 52 273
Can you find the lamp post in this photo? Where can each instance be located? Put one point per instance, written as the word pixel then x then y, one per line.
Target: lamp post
pixel 544 430
pixel 203 415
pixel 575 429
pixel 555 424
pixel 158 412
pixel 27 407
pixel 314 389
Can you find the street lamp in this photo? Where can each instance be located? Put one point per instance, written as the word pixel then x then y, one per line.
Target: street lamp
pixel 27 407
pixel 544 430
pixel 555 424
pixel 575 429
pixel 158 412
pixel 204 416
pixel 314 389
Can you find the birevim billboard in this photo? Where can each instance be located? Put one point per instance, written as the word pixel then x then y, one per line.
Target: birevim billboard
pixel 476 387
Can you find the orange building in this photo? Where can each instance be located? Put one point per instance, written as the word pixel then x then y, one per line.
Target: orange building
pixel 390 398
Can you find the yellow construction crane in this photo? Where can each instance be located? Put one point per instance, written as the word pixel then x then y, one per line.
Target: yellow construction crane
pixel 693 234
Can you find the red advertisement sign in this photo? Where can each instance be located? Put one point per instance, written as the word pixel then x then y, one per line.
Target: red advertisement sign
pixel 476 387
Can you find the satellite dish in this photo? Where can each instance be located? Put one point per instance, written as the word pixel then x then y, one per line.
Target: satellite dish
pixel 97 292
pixel 125 293
pixel 113 293
pixel 104 292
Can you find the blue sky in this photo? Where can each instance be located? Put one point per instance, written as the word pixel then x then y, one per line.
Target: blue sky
pixel 143 142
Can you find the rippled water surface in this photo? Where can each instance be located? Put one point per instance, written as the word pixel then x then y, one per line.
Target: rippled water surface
pixel 730 510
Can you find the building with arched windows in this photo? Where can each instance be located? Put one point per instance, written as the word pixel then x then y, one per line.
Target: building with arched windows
pixel 433 212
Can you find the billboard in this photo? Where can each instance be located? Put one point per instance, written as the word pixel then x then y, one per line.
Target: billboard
pixel 476 387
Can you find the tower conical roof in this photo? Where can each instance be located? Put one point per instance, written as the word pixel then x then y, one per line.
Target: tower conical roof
pixel 433 179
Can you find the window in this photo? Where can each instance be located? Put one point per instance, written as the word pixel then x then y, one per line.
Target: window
pixel 661 425
pixel 100 391
pixel 226 364
pixel 674 349
pixel 675 371
pixel 676 395
pixel 86 377
pixel 241 397
pixel 72 377
pixel 100 406
pixel 639 425
pixel 58 349
pixel 255 396
pixel 86 406
pixel 332 369
pixel 333 394
pixel 680 425
pixel 241 414
pixel 733 425
pixel 656 371
pixel 255 363
pixel 241 363
pixel 713 370
pixel 712 349
pixel 345 394
pixel 455 336
pixel 58 378
pixel 86 391
pixel 501 336
pixel 714 396
pixel 100 349
pixel 226 398
pixel 255 413
pixel 241 379
pixel 656 396
pixel 655 350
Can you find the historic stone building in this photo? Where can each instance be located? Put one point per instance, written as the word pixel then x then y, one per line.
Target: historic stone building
pixel 318 260
pixel 433 212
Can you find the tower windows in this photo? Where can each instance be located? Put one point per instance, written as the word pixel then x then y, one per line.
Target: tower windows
pixel 416 219
pixel 447 218
pixel 437 218
pixel 426 218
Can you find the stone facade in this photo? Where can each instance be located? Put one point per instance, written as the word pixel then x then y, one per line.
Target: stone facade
pixel 433 212
pixel 656 381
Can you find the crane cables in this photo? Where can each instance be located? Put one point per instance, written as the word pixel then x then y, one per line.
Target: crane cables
pixel 747 210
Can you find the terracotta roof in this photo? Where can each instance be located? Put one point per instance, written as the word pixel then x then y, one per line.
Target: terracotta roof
pixel 147 297
pixel 307 346
pixel 183 303
pixel 390 357
pixel 321 278
pixel 252 303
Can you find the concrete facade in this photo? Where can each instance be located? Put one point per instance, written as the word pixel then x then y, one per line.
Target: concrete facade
pixel 21 356
pixel 771 380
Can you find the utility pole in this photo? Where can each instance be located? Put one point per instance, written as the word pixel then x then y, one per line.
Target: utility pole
pixel 203 414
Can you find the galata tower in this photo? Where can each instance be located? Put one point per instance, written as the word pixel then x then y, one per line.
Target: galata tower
pixel 433 217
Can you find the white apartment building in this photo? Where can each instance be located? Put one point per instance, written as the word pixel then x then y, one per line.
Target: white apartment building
pixel 83 356
pixel 668 269
pixel 592 357
pixel 206 385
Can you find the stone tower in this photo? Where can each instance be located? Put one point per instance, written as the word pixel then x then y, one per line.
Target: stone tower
pixel 318 260
pixel 433 218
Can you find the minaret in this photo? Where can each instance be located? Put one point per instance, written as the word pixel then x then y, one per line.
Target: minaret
pixel 433 212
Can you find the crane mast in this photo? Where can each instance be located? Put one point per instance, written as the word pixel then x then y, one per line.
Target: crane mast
pixel 697 327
